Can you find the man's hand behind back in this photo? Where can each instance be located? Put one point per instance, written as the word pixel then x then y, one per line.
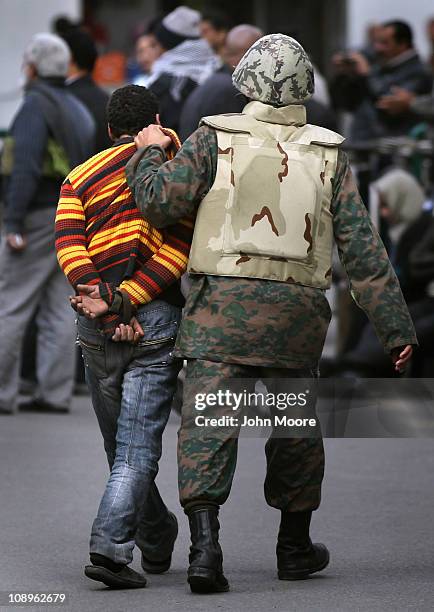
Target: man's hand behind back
pixel 16 242
pixel 89 303
pixel 129 333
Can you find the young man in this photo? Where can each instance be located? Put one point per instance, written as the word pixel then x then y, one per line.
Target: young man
pixel 123 266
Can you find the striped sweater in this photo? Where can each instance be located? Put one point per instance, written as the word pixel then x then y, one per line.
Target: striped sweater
pixel 102 237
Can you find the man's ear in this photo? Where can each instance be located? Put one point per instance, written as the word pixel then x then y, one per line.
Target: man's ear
pixel 157 119
pixel 72 69
pixel 30 72
pixel 109 130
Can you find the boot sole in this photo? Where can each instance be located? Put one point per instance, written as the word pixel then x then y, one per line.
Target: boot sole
pixel 110 579
pixel 203 580
pixel 302 574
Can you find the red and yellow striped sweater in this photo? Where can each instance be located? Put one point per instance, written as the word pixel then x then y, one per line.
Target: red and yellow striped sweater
pixel 102 237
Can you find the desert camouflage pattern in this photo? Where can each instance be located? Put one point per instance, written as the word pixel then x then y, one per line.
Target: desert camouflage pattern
pixel 275 70
pixel 268 212
pixel 262 322
pixel 206 463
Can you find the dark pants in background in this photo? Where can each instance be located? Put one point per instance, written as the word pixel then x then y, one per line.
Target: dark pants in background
pixel 32 282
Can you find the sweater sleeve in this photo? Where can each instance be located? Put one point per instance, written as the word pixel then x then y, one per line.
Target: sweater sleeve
pixel 164 268
pixel 71 245
pixel 167 191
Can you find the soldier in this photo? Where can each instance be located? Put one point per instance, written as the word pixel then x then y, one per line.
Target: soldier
pixel 270 193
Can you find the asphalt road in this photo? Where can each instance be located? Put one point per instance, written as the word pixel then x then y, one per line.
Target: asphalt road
pixel 376 518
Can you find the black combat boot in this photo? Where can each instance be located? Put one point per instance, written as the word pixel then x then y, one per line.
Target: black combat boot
pixel 297 557
pixel 205 574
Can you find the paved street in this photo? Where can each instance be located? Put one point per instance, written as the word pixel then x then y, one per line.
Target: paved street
pixel 376 517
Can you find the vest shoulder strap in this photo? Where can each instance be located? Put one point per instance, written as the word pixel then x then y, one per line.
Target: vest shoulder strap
pixel 239 123
pixel 231 122
pixel 313 134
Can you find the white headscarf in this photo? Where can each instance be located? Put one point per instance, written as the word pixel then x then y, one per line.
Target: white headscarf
pixel 192 59
pixel 404 197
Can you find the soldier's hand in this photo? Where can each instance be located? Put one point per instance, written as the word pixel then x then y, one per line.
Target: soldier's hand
pixel 16 242
pixel 401 357
pixel 150 135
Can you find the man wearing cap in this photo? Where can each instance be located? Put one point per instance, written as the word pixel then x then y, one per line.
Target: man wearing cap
pixel 51 133
pixel 185 60
pixel 271 193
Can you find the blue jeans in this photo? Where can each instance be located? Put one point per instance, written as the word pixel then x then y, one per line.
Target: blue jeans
pixel 132 389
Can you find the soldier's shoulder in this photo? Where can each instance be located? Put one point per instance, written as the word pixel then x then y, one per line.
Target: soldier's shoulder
pixel 228 122
pixel 205 135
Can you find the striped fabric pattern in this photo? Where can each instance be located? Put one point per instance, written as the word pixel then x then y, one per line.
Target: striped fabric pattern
pixel 102 237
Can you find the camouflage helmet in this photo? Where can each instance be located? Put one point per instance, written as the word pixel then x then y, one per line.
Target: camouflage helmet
pixel 275 70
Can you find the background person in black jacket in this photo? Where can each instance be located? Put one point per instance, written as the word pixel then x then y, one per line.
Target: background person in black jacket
pixel 80 82
pixel 363 88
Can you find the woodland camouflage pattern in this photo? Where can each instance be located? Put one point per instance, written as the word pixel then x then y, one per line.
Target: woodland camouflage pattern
pixel 207 459
pixel 262 322
pixel 275 70
pixel 232 323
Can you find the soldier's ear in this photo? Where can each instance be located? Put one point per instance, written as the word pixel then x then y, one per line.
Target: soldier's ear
pixel 157 119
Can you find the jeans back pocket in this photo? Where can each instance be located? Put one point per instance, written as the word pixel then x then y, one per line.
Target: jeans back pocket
pixel 160 325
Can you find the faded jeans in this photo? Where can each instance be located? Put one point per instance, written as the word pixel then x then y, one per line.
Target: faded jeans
pixel 132 389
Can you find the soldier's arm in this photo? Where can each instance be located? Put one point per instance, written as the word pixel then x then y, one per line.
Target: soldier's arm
pixel 167 191
pixel 373 282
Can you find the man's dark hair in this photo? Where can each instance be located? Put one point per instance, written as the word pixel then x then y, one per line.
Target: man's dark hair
pixel 403 33
pixel 62 24
pixel 130 109
pixel 83 49
pixel 218 19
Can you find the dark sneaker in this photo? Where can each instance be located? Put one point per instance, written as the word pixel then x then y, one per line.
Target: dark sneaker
pixel 37 405
pixel 300 564
pixel 126 578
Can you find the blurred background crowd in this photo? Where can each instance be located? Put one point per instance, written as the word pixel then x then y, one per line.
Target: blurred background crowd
pixel 374 83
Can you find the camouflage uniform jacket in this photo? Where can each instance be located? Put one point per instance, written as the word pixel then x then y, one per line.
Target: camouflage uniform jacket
pixel 264 322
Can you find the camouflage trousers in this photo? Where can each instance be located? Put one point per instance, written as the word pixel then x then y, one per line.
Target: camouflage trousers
pixel 207 460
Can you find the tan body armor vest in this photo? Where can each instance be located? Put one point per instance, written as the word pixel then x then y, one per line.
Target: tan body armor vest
pixel 268 214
